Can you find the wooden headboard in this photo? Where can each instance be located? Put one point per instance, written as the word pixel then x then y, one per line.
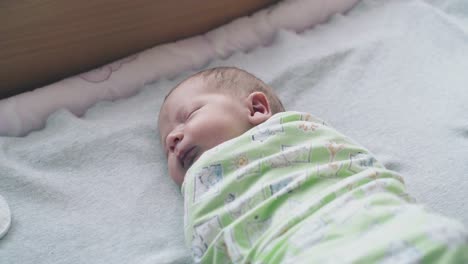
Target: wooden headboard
pixel 44 41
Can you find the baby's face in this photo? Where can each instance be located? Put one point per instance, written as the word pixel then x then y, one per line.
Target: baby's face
pixel 195 118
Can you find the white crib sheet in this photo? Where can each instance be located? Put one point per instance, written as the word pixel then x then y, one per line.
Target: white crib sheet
pixel 390 74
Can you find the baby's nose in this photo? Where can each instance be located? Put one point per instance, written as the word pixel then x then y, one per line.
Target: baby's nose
pixel 174 139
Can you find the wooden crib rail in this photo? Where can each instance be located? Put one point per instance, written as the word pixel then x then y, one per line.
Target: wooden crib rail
pixel 44 41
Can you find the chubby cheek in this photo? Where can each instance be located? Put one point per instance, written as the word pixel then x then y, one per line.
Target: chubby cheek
pixel 175 170
pixel 211 134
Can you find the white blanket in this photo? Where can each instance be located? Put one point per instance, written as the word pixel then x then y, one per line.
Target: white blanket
pixel 390 74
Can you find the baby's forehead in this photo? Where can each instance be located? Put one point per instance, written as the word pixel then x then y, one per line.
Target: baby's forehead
pixel 193 83
pixel 180 93
pixel 190 88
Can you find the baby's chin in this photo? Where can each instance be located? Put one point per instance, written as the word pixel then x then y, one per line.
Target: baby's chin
pixel 177 178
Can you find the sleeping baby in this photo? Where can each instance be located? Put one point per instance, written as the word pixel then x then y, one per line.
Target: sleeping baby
pixel 262 185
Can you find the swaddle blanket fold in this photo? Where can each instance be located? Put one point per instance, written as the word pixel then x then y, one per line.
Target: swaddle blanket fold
pixel 293 189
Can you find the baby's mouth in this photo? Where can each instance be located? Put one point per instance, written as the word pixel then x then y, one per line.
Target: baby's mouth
pixel 189 157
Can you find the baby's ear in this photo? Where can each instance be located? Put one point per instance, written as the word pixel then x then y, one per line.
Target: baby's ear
pixel 259 107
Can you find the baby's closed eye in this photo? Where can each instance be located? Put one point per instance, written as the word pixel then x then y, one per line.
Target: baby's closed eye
pixel 192 113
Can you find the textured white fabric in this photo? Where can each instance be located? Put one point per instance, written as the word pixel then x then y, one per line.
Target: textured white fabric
pixel 389 74
pixel 5 217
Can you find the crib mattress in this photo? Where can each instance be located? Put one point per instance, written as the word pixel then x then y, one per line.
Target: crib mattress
pixel 389 74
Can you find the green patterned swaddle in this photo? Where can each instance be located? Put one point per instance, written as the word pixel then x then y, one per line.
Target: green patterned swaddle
pixel 294 190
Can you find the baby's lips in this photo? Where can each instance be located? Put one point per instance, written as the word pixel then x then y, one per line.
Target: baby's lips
pixel 180 155
pixel 190 157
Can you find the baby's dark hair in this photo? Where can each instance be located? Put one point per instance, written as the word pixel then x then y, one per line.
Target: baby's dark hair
pixel 238 82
